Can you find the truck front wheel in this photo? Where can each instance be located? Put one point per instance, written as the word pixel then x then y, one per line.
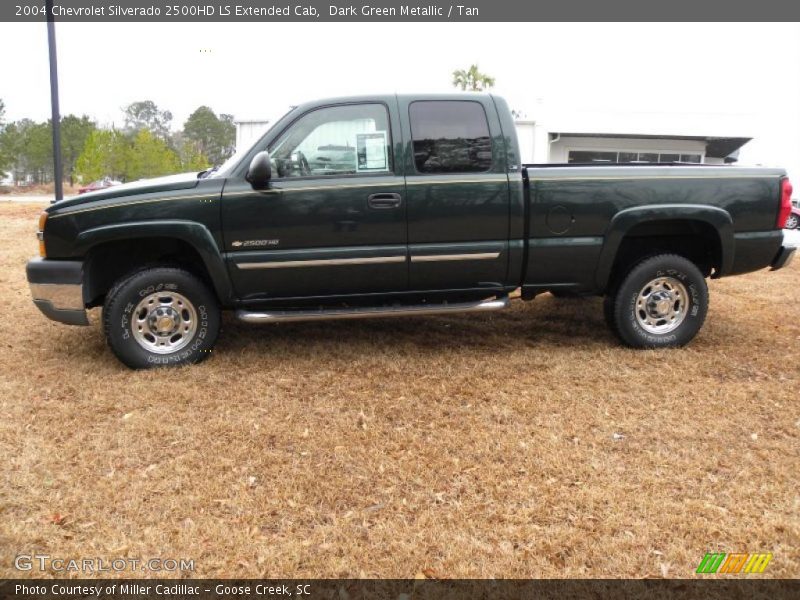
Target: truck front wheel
pixel 661 303
pixel 160 317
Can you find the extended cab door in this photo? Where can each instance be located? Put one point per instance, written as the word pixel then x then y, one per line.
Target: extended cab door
pixel 333 220
pixel 457 194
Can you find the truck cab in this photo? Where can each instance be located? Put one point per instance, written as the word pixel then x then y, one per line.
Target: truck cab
pixel 413 187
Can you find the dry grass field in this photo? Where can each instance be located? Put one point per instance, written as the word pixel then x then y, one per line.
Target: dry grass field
pixel 525 443
pixel 37 190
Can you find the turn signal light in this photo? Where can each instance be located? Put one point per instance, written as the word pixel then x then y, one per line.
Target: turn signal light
pixel 786 202
pixel 40 234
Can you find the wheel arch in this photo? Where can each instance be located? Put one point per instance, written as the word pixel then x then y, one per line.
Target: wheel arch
pixel 655 224
pixel 113 250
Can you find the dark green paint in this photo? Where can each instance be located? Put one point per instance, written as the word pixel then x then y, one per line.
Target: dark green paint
pixel 551 226
pixel 195 234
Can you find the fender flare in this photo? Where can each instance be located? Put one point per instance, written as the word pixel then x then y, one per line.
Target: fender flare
pixel 626 219
pixel 195 234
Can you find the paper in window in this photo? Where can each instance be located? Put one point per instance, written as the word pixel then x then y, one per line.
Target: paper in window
pixel 371 152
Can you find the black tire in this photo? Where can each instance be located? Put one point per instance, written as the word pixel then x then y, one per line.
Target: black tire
pixel 679 285
pixel 196 318
pixel 793 222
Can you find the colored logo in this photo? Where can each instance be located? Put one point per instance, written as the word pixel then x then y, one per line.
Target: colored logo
pixel 720 562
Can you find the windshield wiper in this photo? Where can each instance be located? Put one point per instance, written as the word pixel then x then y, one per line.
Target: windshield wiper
pixel 208 172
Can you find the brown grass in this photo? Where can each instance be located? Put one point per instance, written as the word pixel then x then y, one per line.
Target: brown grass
pixel 37 189
pixel 461 446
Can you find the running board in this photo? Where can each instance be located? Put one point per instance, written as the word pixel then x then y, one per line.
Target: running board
pixel 413 310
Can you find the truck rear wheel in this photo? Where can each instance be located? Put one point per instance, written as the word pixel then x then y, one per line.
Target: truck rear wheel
pixel 661 303
pixel 160 317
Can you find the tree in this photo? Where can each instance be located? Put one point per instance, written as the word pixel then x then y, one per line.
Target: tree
pixel 214 137
pixel 151 157
pixel 114 154
pixel 37 151
pixel 10 145
pixel 229 134
pixel 191 159
pixel 5 159
pixel 106 153
pixel 74 133
pixel 146 115
pixel 472 79
pixel 27 147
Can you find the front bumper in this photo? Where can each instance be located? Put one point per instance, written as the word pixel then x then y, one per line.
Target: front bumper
pixel 57 289
pixel 783 257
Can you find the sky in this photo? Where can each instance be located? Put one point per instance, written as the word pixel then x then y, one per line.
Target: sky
pixel 747 74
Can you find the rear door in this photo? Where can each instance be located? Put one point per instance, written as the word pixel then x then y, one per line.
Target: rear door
pixel 457 194
pixel 333 220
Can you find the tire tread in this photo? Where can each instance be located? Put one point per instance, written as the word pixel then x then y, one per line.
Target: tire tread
pixel 113 297
pixel 615 301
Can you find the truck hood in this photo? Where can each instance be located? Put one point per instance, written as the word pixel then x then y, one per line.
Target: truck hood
pixel 182 181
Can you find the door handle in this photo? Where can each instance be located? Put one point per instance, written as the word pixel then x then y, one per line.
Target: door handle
pixel 384 200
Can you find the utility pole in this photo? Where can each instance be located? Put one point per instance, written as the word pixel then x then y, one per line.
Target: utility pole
pixel 58 174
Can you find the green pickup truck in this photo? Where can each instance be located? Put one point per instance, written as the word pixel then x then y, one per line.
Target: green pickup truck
pixel 400 205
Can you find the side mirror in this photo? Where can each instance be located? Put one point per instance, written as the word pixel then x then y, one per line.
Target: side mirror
pixel 260 171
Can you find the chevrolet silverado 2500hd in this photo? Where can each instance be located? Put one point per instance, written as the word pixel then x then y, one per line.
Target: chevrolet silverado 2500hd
pixel 400 205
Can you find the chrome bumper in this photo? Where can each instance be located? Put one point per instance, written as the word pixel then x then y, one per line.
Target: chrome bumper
pixel 57 290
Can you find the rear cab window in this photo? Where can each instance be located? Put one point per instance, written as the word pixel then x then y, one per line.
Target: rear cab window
pixel 450 136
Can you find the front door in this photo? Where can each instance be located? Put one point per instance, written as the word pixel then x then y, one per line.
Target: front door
pixel 333 220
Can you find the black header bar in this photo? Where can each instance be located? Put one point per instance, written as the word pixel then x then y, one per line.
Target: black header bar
pixel 708 588
pixel 243 11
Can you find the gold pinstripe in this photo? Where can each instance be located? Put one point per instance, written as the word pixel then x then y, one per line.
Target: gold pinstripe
pixel 503 179
pixel 118 204
pixel 409 182
pixel 261 192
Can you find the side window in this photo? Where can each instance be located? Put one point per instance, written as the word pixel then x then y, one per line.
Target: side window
pixel 338 140
pixel 450 137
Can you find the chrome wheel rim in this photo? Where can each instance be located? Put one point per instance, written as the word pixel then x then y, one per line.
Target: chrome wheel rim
pixel 661 305
pixel 164 322
pixel 791 222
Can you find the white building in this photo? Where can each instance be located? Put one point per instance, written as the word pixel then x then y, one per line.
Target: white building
pixel 594 136
pixel 248 131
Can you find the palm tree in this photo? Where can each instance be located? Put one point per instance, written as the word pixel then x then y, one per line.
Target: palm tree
pixel 472 79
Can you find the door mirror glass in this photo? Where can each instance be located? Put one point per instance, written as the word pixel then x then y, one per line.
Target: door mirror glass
pixel 260 171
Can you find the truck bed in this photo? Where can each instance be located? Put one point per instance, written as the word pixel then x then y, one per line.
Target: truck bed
pixel 578 215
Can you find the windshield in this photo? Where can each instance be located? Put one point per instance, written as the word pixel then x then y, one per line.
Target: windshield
pixel 222 170
pixel 217 171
